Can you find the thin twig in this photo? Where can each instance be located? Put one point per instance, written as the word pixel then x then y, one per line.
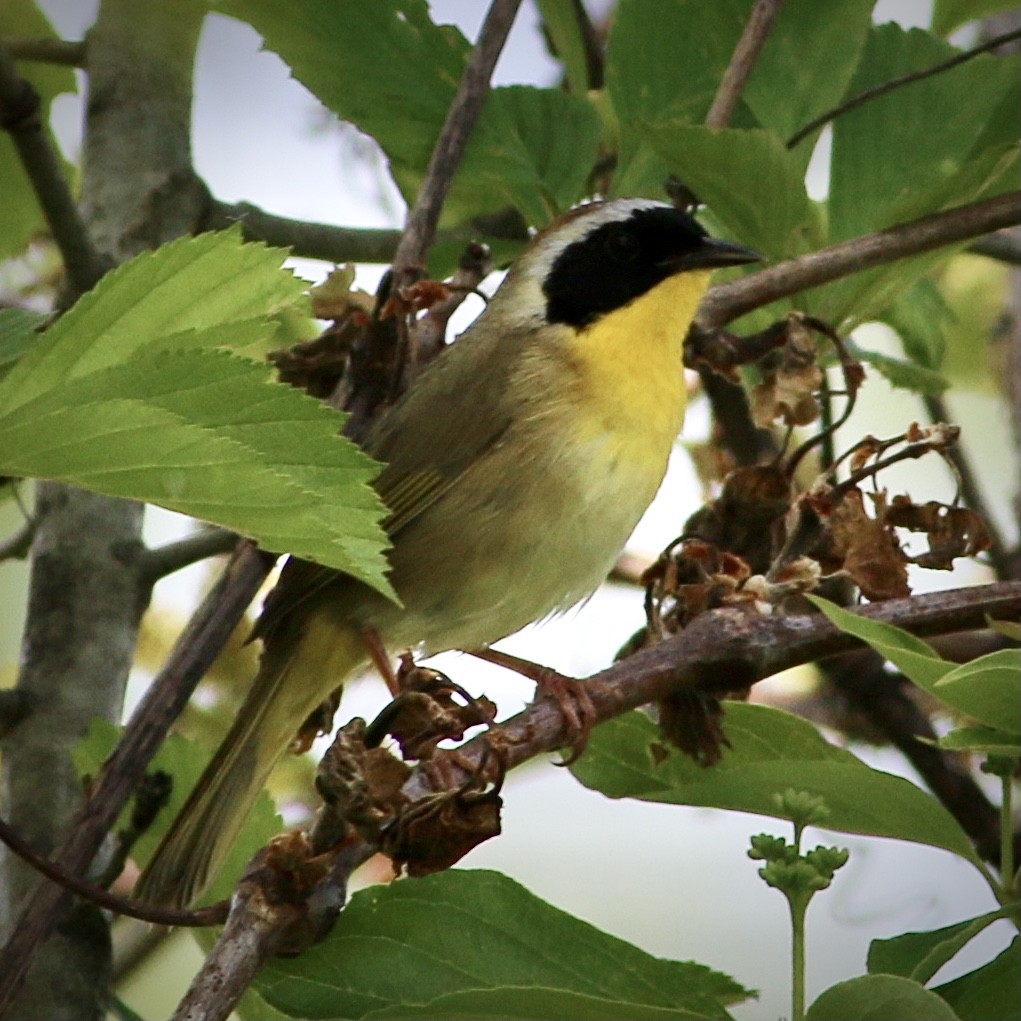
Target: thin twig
pixel 194 651
pixel 937 410
pixel 746 53
pixel 728 400
pixel 163 560
pixel 895 83
pixel 197 917
pixel 46 51
pixel 453 139
pixel 727 302
pixel 20 116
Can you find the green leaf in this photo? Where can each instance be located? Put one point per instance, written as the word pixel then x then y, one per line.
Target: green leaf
pixel 988 689
pixel 664 61
pixel 919 955
pixel 918 316
pixel 18 332
pixel 132 394
pixel 983 740
pixel 184 760
pixel 770 751
pixel 989 993
pixel 806 65
pixel 892 161
pixel 950 14
pixel 535 151
pixel 752 184
pixel 22 216
pixel 901 374
pixel 385 67
pixel 561 22
pixel 870 188
pixel 464 944
pixel 919 662
pixel 879 998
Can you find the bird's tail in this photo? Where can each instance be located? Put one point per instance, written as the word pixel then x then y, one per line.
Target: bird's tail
pixel 295 675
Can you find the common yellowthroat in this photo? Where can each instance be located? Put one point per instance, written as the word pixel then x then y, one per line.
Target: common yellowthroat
pixel 516 468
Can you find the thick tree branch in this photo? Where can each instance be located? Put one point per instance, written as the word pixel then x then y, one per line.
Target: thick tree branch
pixel 723 651
pixel 21 117
pixel 728 302
pixel 746 53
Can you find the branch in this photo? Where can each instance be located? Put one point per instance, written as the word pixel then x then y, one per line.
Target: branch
pixel 260 925
pixel 721 651
pixel 312 240
pixel 20 118
pixel 212 915
pixel 728 400
pixel 971 491
pixel 192 655
pixel 331 243
pixel 453 139
pixel 896 83
pixel 46 51
pixel 727 302
pixel 746 53
pixel 207 542
pixel 18 545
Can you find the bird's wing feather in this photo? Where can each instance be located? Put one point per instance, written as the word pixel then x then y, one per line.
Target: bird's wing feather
pixel 426 450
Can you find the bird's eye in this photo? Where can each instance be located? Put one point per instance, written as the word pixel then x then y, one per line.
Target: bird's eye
pixel 622 246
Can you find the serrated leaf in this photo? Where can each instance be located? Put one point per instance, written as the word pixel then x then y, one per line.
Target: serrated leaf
pixel 193 283
pixel 989 993
pixel 752 184
pixel 901 374
pixel 981 740
pixel 770 751
pixel 183 760
pixel 17 335
pixel 131 395
pixel 879 998
pixel 919 955
pixel 22 216
pixel 987 688
pixel 451 945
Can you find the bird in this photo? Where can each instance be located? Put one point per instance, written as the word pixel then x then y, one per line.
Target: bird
pixel 516 468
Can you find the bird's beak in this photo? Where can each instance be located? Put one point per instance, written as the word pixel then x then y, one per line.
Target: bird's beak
pixel 712 254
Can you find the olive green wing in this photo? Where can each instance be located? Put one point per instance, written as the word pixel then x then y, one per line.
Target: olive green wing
pixel 457 410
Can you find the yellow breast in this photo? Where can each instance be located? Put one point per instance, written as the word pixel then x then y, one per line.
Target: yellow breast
pixel 629 378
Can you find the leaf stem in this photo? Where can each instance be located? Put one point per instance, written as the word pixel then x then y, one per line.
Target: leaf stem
pixel 1007 836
